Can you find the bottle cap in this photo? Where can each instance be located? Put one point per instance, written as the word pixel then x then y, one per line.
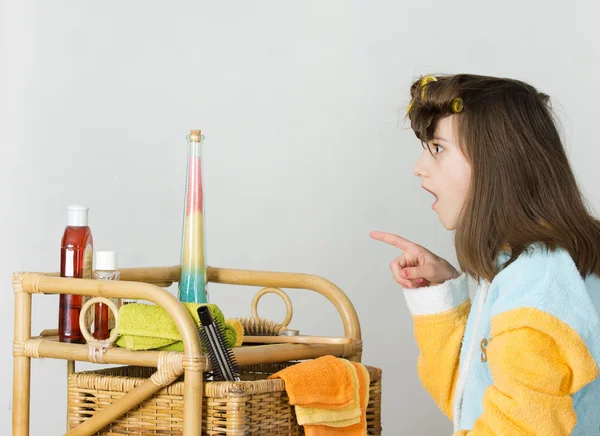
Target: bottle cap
pixel 195 136
pixel 106 261
pixel 78 215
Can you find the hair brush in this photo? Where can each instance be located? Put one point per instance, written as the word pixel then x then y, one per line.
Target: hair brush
pixel 221 356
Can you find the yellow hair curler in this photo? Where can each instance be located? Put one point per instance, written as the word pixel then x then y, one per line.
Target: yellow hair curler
pixel 424 82
pixel 457 105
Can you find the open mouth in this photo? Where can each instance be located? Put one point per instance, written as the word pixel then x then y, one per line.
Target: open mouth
pixel 432 193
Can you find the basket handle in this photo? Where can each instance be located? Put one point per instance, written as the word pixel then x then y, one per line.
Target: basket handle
pixel 283 295
pixel 97 347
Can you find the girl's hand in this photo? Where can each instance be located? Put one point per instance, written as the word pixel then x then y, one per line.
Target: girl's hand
pixel 417 266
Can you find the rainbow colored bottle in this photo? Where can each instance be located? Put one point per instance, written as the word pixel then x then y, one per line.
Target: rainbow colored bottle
pixel 192 283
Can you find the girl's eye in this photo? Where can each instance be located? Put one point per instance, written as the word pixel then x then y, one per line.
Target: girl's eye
pixel 438 148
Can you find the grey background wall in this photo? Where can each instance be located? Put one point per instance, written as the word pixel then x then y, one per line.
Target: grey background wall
pixel 301 103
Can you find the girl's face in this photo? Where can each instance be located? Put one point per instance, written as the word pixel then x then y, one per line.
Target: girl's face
pixel 446 174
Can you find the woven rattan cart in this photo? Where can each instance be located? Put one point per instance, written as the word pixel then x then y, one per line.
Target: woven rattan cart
pixel 175 375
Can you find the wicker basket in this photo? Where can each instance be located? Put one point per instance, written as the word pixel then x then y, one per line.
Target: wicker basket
pixel 254 406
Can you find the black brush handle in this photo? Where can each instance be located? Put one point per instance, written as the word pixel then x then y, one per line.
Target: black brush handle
pixel 220 353
pixel 216 370
pixel 232 365
pixel 205 316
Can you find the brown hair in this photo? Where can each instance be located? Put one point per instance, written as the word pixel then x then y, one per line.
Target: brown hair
pixel 522 188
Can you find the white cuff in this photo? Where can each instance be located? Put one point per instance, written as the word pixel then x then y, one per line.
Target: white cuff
pixel 439 298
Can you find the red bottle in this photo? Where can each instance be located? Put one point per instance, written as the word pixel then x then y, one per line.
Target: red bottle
pixel 75 262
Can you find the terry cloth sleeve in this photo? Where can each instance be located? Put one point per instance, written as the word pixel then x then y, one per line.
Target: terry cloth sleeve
pixel 440 316
pixel 537 363
pixel 542 350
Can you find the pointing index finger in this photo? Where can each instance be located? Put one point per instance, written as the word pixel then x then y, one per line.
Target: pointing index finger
pixel 395 240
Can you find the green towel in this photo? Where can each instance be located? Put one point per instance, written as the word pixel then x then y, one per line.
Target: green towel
pixel 149 327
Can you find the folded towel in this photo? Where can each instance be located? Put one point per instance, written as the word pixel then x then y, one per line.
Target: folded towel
pixel 359 429
pixel 325 382
pixel 349 415
pixel 149 327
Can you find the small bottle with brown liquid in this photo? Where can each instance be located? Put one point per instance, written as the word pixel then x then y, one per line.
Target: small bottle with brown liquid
pixel 75 262
pixel 106 269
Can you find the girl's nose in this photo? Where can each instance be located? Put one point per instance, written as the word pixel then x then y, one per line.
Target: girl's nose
pixel 419 169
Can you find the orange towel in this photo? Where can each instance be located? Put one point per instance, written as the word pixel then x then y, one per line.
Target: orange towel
pixel 334 418
pixel 359 429
pixel 325 383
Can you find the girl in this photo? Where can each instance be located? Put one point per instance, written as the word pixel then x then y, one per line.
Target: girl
pixel 523 358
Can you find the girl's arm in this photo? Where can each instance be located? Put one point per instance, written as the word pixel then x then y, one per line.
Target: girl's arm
pixel 440 317
pixel 537 363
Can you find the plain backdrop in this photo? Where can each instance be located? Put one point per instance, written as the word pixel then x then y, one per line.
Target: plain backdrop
pixel 306 151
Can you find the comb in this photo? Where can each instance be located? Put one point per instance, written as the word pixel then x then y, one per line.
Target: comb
pixel 221 356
